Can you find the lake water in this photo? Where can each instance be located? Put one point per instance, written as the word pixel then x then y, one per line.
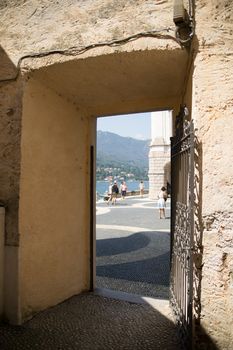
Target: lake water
pixel 102 186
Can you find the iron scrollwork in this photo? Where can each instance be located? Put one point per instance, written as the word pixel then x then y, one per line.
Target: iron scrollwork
pixel 182 224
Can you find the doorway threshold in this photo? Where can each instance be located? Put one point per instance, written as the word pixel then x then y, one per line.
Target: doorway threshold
pixel 161 305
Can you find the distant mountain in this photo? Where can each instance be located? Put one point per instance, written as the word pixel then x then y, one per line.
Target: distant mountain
pixel 118 150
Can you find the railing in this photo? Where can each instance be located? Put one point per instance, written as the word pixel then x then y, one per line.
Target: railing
pixel 182 227
pixel 128 194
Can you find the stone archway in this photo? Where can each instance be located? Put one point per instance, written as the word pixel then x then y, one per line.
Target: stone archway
pixel 92 33
pixel 61 101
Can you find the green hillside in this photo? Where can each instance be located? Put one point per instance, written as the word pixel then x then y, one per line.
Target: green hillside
pixel 124 155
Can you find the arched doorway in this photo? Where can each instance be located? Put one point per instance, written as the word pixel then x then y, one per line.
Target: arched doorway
pixel 61 101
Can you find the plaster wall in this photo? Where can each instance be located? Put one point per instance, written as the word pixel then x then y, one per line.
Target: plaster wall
pixel 2 239
pixel 10 136
pixel 210 93
pixel 10 133
pixel 209 96
pixel 11 300
pixel 54 200
pixel 132 76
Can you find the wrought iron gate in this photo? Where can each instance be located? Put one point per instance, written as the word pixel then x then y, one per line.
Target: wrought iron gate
pixel 182 225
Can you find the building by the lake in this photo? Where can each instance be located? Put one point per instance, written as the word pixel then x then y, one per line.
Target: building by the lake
pixel 159 155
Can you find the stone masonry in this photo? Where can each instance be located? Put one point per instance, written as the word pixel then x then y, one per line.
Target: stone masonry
pixel 77 53
pixel 210 90
pixel 159 155
pixel 157 174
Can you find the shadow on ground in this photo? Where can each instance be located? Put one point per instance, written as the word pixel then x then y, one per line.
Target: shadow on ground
pixel 154 270
pixel 139 263
pixel 90 322
pixel 114 246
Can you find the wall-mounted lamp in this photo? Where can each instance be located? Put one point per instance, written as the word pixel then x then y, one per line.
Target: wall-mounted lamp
pixel 183 21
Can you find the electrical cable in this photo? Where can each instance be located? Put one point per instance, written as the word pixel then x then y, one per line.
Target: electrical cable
pixel 75 51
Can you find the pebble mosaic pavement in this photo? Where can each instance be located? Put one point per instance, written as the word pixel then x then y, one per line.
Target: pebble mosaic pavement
pixel 90 322
pixel 134 262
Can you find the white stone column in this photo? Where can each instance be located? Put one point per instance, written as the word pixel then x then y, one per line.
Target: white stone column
pixel 159 155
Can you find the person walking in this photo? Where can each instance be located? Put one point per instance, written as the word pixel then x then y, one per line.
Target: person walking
pixel 115 191
pixel 141 188
pixel 121 186
pixel 162 196
pixel 109 193
pixel 123 189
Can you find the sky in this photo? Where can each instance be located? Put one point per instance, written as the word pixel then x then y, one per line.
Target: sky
pixel 128 125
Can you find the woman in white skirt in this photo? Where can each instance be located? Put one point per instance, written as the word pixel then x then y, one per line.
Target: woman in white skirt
pixel 162 202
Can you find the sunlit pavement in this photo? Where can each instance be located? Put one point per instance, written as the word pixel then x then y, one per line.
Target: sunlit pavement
pixel 133 247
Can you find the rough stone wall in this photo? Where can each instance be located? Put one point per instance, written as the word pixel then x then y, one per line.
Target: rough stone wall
pixel 82 23
pixel 10 133
pixel 10 138
pixel 212 112
pixel 62 24
pixel 217 283
pixel 2 233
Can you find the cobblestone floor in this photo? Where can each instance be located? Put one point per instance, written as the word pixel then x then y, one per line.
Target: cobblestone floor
pixel 91 322
pixel 129 258
pixel 133 249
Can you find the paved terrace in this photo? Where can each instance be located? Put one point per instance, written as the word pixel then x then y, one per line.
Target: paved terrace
pixel 133 247
pixel 132 255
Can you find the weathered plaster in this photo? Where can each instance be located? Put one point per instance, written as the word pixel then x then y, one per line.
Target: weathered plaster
pixel 10 133
pixel 217 283
pixel 120 82
pixel 70 23
pixel 54 199
pixel 100 81
pixel 209 91
pixel 2 253
pixel 141 75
